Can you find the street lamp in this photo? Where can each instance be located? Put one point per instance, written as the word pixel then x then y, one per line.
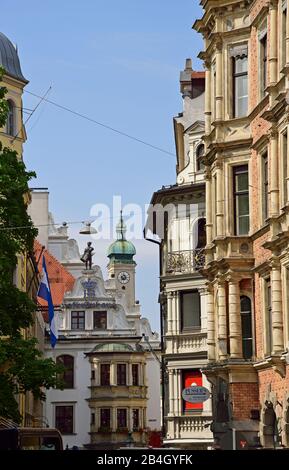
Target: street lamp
pixel 87 229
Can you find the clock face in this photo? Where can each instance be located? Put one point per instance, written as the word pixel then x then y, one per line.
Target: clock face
pixel 123 277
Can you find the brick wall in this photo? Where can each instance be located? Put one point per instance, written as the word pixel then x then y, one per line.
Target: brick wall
pixel 244 398
pixel 278 384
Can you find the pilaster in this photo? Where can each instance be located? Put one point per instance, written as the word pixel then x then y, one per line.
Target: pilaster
pixel 222 319
pixel 211 324
pixel 277 316
pixel 274 188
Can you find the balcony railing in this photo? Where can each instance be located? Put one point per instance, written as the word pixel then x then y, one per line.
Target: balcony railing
pixel 189 427
pixel 186 343
pixel 186 261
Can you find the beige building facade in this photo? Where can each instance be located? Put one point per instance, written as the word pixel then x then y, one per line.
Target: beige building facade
pixel 246 46
pixel 177 221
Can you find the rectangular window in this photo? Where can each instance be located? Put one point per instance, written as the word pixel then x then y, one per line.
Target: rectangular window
pixel 265 180
pixel 191 378
pixel 241 200
pixel 240 85
pixel 67 376
pixel 135 379
pixel 121 374
pixel 190 310
pixel 105 418
pixel 263 64
pixel 100 320
pixel 121 418
pixel 285 166
pixel 105 374
pixel 64 419
pixel 78 320
pixel 268 308
pixel 92 421
pixel 135 420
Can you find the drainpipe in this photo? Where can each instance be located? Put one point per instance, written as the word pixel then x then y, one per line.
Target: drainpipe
pixel 162 365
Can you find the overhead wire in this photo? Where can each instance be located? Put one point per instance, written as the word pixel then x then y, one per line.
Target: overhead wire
pixel 113 129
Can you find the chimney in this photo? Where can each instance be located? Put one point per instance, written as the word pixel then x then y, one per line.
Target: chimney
pixel 188 67
pixel 186 79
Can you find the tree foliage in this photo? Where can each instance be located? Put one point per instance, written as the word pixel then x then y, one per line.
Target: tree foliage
pixel 22 366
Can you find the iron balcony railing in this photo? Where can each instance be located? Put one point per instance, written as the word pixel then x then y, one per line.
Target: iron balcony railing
pixel 186 261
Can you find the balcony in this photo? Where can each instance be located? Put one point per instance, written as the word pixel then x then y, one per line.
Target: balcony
pixel 189 428
pixel 186 343
pixel 185 262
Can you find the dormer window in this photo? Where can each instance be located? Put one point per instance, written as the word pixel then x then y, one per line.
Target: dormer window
pixel 200 152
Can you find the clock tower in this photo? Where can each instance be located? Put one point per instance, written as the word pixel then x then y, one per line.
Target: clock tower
pixel 121 266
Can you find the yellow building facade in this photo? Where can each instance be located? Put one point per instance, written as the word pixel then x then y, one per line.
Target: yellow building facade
pixel 13 136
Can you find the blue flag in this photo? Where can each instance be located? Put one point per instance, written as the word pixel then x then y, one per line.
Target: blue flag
pixel 44 293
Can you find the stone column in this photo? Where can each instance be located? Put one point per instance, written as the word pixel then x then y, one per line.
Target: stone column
pixel 129 373
pixel 219 81
pixel 274 188
pixel 222 319
pixel 273 44
pixel 176 394
pixel 208 98
pixel 96 369
pixel 209 221
pixel 211 324
pixel 169 309
pixel 179 392
pixel 113 419
pixel 171 392
pixel 129 419
pixel 177 313
pixel 113 380
pixel 220 199
pixel 235 324
pixel 277 314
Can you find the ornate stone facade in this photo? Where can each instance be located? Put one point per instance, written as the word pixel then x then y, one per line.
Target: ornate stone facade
pixel 112 384
pixel 183 296
pixel 247 62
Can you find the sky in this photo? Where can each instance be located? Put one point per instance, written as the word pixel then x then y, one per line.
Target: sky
pixel 117 62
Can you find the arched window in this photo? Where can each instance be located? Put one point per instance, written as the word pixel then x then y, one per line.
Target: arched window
pixel 10 123
pixel 202 238
pixel 246 318
pixel 67 377
pixel 200 152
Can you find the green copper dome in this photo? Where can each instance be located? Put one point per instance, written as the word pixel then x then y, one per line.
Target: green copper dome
pixel 113 347
pixel 122 250
pixel 121 247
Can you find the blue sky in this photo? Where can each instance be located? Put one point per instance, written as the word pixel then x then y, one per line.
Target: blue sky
pixel 117 62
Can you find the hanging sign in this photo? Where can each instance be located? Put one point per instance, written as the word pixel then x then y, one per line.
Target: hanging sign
pixel 196 394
